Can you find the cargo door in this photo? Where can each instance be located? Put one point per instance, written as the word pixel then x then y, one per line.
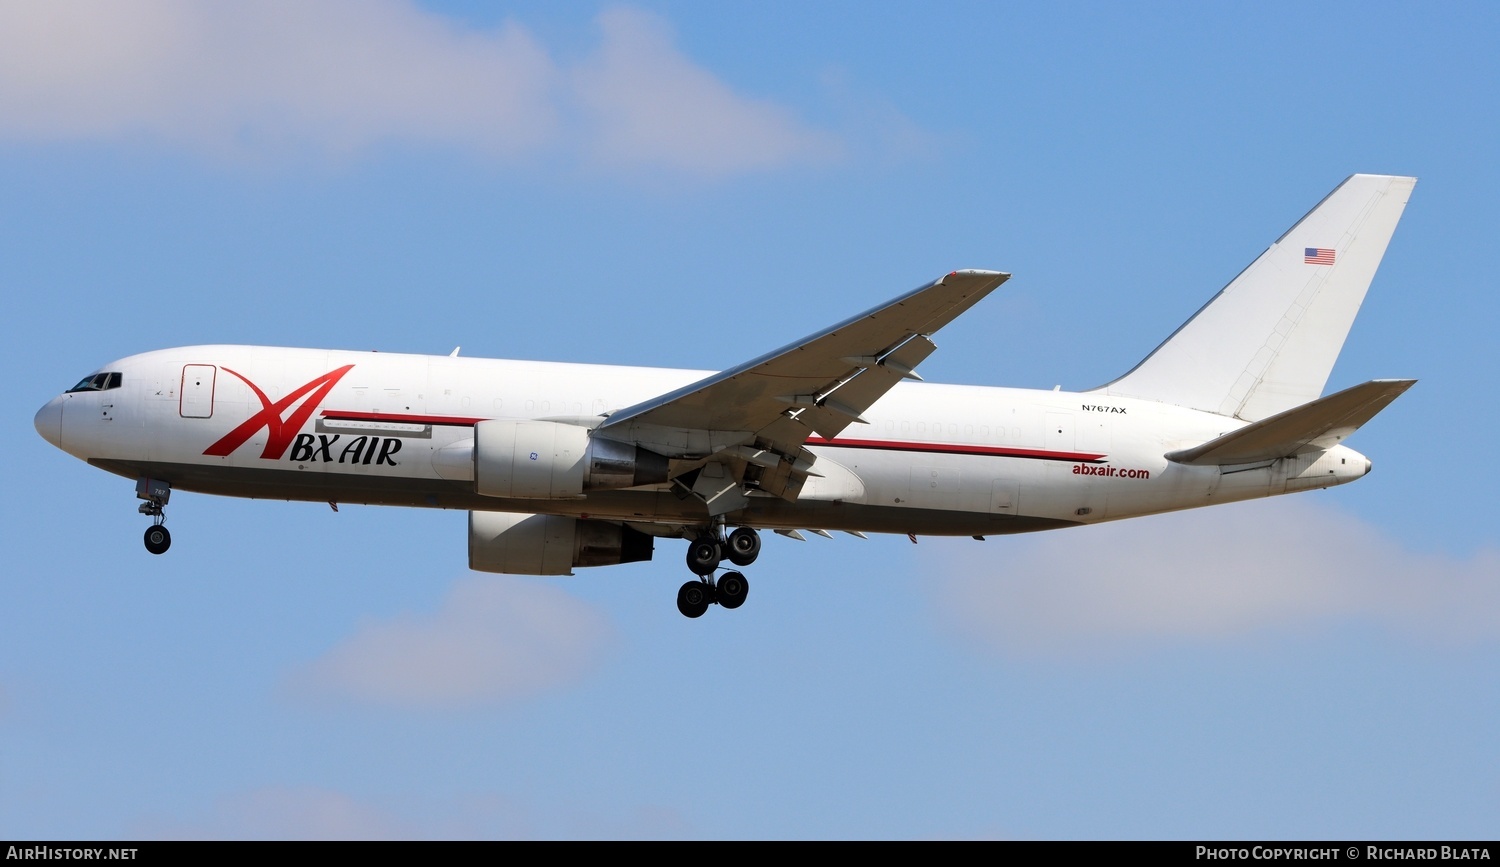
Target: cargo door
pixel 197 392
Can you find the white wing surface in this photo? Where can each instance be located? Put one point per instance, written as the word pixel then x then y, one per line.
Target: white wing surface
pixel 759 413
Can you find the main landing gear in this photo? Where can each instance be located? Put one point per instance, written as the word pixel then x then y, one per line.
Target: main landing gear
pixel 155 493
pixel 704 555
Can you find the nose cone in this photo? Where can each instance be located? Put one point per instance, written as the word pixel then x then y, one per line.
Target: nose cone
pixel 1368 465
pixel 48 421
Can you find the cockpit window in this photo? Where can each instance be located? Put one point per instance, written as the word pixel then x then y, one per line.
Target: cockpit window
pixel 98 382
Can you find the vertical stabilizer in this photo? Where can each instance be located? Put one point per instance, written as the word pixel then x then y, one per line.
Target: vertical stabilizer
pixel 1268 340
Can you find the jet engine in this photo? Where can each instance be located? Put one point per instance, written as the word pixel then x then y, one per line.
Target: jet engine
pixel 548 460
pixel 518 544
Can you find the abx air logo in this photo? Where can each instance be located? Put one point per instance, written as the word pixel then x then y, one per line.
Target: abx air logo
pixel 280 429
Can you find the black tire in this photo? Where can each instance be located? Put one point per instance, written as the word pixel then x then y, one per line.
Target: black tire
pixel 733 588
pixel 703 556
pixel 158 540
pixel 693 598
pixel 744 546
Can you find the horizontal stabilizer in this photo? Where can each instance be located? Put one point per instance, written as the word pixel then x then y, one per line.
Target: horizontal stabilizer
pixel 1314 426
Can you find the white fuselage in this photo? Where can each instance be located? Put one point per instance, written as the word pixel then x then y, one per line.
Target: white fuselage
pixel 370 427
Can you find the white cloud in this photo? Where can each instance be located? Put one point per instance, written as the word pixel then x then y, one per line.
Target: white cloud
pixel 262 80
pixel 494 640
pixel 651 106
pixel 247 78
pixel 1210 575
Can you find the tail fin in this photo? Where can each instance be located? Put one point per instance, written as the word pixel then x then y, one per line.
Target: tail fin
pixel 1268 340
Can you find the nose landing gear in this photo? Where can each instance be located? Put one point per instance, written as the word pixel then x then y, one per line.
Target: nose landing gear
pixel 155 493
pixel 703 557
pixel 158 540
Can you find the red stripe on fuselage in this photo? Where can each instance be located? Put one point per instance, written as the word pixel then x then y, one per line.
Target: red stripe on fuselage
pixel 882 445
pixel 956 449
pixel 403 418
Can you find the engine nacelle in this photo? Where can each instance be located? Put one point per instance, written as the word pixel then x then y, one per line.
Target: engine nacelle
pixel 518 544
pixel 547 460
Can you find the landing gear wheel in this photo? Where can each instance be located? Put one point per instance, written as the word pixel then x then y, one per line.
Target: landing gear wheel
pixel 703 556
pixel 158 540
pixel 744 546
pixel 733 587
pixel 693 599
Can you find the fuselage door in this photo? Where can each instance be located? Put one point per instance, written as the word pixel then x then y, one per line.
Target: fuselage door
pixel 197 399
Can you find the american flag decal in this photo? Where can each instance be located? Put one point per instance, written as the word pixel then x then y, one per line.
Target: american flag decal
pixel 1317 255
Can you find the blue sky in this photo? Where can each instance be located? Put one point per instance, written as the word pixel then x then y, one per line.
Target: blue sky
pixel 690 185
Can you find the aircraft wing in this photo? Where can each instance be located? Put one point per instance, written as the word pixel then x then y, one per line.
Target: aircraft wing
pixel 1313 426
pixel 763 410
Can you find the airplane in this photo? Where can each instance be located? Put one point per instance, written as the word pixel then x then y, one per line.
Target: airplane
pixel 574 465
